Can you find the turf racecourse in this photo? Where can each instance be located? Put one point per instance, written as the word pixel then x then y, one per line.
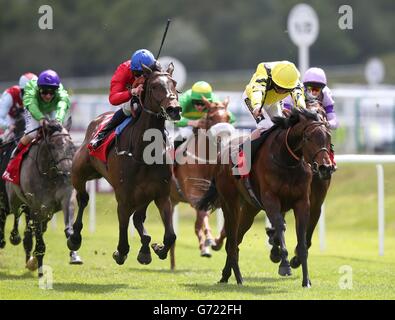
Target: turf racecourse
pixel 352 241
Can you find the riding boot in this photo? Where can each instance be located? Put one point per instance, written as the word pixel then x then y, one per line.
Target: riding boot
pixel 18 149
pixel 116 120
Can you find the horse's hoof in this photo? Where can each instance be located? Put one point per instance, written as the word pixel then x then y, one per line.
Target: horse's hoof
pixel 217 245
pixel 159 249
pixel 15 238
pixel 306 284
pixel 205 252
pixel 74 243
pixel 209 242
pixel 32 264
pixel 295 262
pixel 144 258
pixel 75 258
pixel 2 244
pixel 284 271
pixel 118 258
pixel 275 256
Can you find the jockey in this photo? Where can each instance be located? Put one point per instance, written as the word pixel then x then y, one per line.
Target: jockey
pixel 11 104
pixel 271 83
pixel 43 98
pixel 126 85
pixel 193 108
pixel 316 89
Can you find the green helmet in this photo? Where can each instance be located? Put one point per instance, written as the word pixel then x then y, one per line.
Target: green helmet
pixel 202 88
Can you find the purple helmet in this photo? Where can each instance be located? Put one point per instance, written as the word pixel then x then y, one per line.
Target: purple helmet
pixel 48 78
pixel 141 56
pixel 315 75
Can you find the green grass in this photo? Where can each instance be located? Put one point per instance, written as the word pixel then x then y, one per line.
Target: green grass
pixel 352 240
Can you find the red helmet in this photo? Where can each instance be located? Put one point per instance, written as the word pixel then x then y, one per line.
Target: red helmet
pixel 25 78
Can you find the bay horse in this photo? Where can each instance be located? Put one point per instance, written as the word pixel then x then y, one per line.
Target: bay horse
pixel 318 191
pixel 319 188
pixel 193 169
pixel 135 181
pixel 6 148
pixel 280 178
pixel 45 188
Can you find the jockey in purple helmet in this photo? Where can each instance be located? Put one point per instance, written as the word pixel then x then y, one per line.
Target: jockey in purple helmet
pixel 44 98
pixel 315 88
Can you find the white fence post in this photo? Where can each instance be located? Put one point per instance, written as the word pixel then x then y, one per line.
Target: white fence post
pixel 54 223
pixel 175 219
pixel 381 213
pixel 321 232
pixel 92 205
pixel 220 220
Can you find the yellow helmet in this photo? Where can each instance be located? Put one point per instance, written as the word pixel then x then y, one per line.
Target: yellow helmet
pixel 201 88
pixel 285 75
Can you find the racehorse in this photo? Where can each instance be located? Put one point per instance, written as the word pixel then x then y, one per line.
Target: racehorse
pixel 319 188
pixel 318 191
pixel 135 181
pixel 6 148
pixel 45 188
pixel 280 177
pixel 193 173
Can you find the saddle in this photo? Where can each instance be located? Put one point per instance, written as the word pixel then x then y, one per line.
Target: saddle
pixel 101 152
pixel 255 146
pixel 13 170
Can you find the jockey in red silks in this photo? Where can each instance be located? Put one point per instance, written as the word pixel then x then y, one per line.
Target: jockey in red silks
pixel 126 85
pixel 11 104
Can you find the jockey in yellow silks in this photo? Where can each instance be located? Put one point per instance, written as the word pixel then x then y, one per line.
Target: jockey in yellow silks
pixel 270 84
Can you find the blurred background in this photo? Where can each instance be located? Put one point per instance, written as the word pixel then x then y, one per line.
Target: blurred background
pixel 218 41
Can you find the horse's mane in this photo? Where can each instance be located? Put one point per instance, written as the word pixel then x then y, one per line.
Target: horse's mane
pixel 294 117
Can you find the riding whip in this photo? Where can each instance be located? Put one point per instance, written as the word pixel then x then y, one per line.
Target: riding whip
pixel 163 38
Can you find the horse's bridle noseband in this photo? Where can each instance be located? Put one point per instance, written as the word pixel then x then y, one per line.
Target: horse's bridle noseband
pixel 170 96
pixel 315 125
pixel 55 163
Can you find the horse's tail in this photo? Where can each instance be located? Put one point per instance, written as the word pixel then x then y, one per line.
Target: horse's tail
pixel 210 198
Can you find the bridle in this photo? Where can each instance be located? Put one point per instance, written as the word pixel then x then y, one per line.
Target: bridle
pixel 314 125
pixel 149 96
pixel 53 165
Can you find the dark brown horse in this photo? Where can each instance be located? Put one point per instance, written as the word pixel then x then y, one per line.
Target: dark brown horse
pixel 193 169
pixel 137 181
pixel 280 178
pixel 6 148
pixel 319 188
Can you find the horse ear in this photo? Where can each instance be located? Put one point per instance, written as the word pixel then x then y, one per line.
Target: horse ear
pixel 226 102
pixel 147 70
pixel 69 122
pixel 207 103
pixel 170 69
